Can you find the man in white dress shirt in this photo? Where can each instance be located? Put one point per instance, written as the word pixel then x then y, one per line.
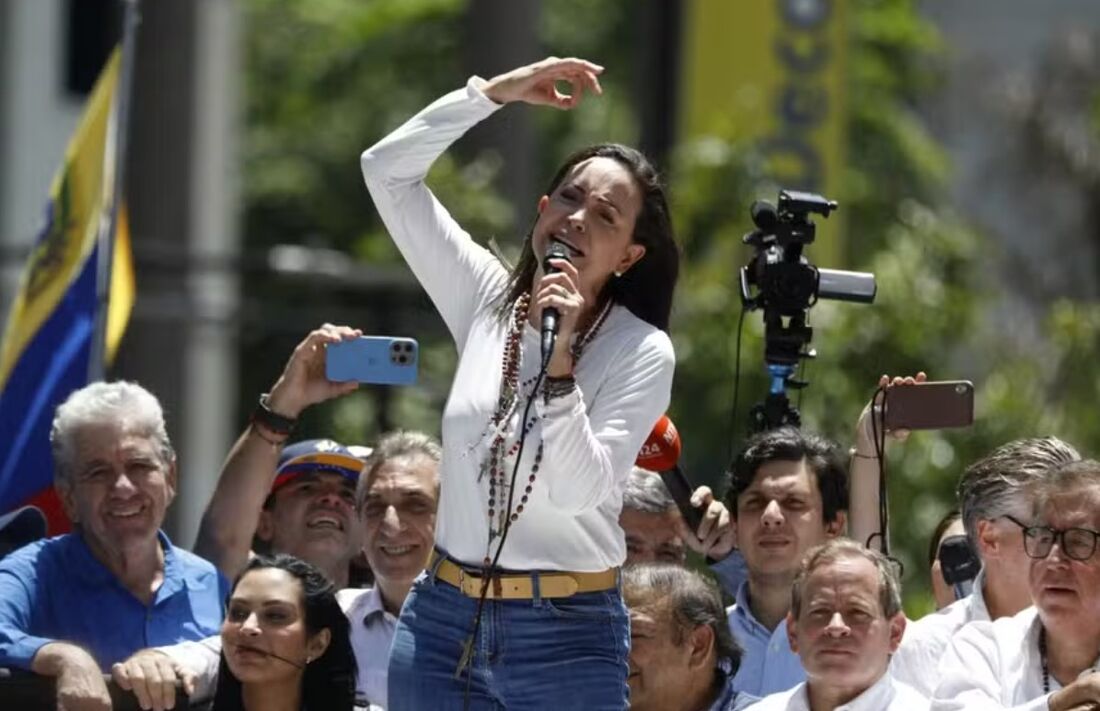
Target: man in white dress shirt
pixel 845 622
pixel 1045 657
pixel 397 499
pixel 995 499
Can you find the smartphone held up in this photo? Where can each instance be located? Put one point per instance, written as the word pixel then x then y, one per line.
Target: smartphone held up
pixel 929 406
pixel 374 360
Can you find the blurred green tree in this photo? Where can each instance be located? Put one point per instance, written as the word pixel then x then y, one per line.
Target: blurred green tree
pixel 325 78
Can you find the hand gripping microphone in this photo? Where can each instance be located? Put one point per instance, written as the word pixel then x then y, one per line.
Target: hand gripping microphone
pixel 550 315
pixel 661 454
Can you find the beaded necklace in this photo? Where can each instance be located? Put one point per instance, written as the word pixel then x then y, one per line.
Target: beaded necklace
pixel 1045 664
pixel 1043 659
pixel 510 389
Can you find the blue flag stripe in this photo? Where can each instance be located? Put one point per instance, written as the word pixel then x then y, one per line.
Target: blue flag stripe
pixel 54 364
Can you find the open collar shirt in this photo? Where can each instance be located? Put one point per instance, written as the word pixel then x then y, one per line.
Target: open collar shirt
pixel 767 663
pixel 372 629
pixel 886 694
pixel 995 666
pixel 55 590
pixel 917 661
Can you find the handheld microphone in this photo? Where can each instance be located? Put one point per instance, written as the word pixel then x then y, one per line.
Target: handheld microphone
pixel 661 450
pixel 661 454
pixel 959 565
pixel 550 315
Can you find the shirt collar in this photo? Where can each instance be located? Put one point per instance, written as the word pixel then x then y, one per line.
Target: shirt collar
pixel 741 609
pixel 366 607
pixel 877 697
pixel 93 572
pixel 978 609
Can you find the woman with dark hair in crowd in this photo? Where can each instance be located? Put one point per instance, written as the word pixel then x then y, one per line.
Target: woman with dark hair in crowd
pixel 520 606
pixel 285 644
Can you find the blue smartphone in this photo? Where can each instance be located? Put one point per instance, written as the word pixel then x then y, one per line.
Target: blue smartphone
pixel 378 360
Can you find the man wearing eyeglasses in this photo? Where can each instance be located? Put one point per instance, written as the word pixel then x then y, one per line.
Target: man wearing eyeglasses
pixel 1045 657
pixel 995 500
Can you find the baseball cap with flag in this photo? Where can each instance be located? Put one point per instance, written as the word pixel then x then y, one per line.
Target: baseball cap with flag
pixel 319 455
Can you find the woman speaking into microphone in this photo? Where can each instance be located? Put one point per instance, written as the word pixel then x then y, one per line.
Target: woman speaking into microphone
pixel 520 605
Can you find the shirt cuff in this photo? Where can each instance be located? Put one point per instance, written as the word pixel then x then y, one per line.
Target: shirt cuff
pixel 473 90
pixel 20 653
pixel 571 404
pixel 201 657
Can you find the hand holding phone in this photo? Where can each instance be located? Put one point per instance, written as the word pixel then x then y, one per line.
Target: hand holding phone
pixel 377 360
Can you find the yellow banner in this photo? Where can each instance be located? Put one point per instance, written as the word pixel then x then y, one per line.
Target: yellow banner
pixel 771 74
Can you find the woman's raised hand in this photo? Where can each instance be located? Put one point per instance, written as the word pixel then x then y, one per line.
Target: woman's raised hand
pixel 538 83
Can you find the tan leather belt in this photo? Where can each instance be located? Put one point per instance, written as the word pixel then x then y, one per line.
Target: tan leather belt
pixel 520 586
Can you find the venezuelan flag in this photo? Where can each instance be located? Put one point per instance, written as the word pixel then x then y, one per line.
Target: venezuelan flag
pixel 46 348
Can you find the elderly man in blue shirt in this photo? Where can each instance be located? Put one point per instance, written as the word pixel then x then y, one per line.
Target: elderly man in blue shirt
pixel 73 605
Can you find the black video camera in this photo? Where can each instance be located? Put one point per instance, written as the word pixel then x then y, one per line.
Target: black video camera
pixel 785 285
pixel 785 280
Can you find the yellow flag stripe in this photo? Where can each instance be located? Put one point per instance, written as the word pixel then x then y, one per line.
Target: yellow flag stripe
pixel 69 235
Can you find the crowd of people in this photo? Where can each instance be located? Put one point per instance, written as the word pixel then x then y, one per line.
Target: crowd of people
pixel 523 561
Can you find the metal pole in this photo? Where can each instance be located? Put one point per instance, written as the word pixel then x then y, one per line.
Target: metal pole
pixel 119 129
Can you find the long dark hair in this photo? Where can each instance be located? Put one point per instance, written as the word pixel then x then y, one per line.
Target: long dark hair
pixel 328 681
pixel 646 288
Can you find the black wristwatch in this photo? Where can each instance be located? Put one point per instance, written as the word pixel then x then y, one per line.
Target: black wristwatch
pixel 271 420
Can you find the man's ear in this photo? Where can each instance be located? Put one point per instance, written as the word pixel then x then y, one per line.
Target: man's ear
pixel 792 632
pixel 265 527
pixel 543 202
pixel 701 641
pixel 318 643
pixel 836 527
pixel 897 630
pixel 988 541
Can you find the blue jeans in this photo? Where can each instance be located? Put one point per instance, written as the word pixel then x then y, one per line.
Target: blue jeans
pixel 560 653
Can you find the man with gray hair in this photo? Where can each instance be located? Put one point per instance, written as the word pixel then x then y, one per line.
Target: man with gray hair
pixel 995 496
pixel 72 605
pixel 844 623
pixel 396 501
pixel 1045 657
pixel 650 521
pixel 682 654
pixel 656 532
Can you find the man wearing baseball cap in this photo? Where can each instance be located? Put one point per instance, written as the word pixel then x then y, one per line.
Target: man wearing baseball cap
pixel 310 512
pixel 292 498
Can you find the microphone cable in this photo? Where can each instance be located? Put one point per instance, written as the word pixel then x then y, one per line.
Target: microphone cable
pixel 736 387
pixel 878 436
pixel 466 661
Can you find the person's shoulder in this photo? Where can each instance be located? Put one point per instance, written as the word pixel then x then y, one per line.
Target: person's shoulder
pixel 197 569
pixel 638 335
pixel 908 698
pixel 777 701
pixel 1005 633
pixel 39 553
pixel 351 598
pixel 1009 630
pixel 936 627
